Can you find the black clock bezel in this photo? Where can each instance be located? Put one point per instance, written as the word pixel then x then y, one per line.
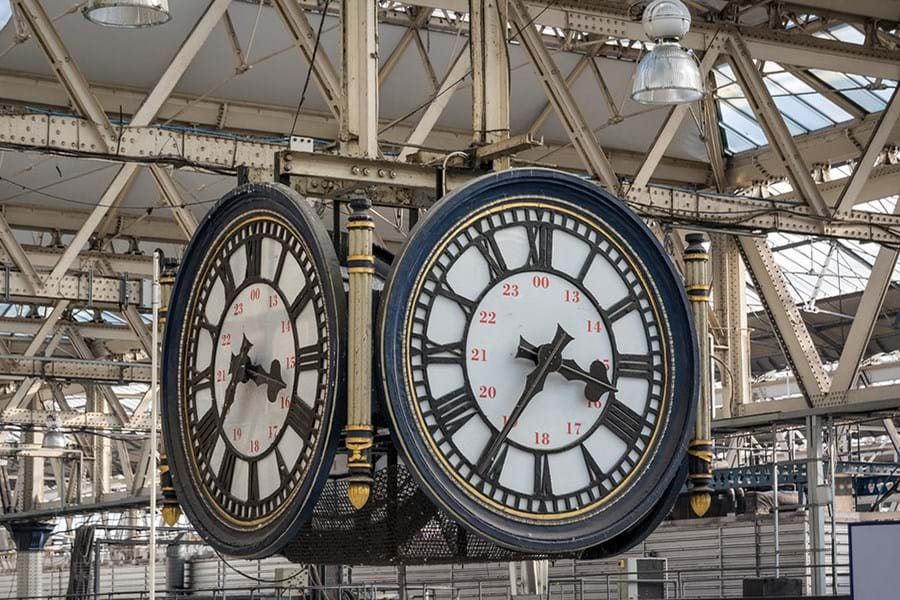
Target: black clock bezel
pixel 241 204
pixel 513 531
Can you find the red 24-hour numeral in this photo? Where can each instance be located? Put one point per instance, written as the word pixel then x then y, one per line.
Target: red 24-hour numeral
pixel 226 339
pixel 488 317
pixel 506 418
pixel 594 326
pixel 285 403
pixel 290 361
pixel 540 281
pixel 487 391
pixel 220 375
pixel 511 290
pixel 541 439
pixel 236 434
pixel 273 301
pixel 255 294
pixel 573 296
pixel 479 355
pixel 273 431
pixel 573 428
pixel 285 327
pixel 254 445
pixel 239 308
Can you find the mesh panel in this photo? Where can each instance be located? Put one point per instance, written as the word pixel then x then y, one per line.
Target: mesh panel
pixel 398 525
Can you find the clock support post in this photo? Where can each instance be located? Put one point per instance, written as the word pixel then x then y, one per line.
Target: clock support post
pixel 696 271
pixel 359 430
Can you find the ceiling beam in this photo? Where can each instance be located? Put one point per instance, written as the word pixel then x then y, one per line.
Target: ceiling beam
pixel 560 96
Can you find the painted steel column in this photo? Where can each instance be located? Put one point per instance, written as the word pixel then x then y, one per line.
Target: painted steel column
pixel 359 114
pixel 30 538
pixel 171 511
pixel 359 430
pixel 490 74
pixel 696 278
pixel 817 498
pixel 102 466
pixel 729 291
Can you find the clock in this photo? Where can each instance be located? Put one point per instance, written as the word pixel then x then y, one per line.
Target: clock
pixel 253 366
pixel 539 360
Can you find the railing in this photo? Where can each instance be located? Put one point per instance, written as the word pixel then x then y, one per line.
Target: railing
pixel 688 584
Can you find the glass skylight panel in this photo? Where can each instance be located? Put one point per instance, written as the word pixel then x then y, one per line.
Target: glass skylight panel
pixel 741 123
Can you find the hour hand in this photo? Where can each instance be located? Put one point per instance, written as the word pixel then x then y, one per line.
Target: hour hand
pixel 272 378
pixel 596 379
pixel 238 372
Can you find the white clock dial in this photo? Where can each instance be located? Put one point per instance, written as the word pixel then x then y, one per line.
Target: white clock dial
pixel 536 361
pixel 255 397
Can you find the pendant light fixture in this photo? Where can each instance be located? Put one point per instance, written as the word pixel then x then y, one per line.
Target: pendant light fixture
pixel 127 14
pixel 668 74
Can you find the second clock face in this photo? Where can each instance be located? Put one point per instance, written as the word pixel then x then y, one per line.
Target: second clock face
pixel 257 365
pixel 253 370
pixel 539 360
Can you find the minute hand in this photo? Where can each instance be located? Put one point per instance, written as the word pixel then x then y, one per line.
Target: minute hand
pixel 548 360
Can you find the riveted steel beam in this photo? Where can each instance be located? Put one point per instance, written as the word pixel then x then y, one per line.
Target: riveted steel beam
pixel 784 315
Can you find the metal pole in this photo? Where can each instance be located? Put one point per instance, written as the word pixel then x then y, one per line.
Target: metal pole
pixel 696 266
pixel 777 532
pixel 832 452
pixel 360 272
pixel 154 423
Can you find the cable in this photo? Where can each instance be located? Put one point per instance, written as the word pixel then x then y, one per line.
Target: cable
pixel 258 579
pixel 312 64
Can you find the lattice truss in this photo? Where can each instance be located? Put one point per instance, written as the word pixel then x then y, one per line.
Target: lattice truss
pixel 114 143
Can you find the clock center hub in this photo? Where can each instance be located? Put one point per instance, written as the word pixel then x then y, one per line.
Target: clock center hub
pixel 530 306
pixel 255 357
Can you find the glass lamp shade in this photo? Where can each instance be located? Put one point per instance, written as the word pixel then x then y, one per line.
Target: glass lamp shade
pixel 54 438
pixel 669 74
pixel 127 14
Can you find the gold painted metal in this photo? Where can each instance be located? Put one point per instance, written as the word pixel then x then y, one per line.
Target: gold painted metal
pixel 534 201
pixel 359 430
pixel 700 454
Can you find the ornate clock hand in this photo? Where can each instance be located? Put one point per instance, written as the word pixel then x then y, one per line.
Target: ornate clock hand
pixel 549 359
pixel 238 371
pixel 272 378
pixel 596 379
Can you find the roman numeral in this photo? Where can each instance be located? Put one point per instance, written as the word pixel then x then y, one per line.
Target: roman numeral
pixel 207 432
pixel 623 421
pixel 443 289
pixel 300 302
pixel 280 265
pixel 223 270
pixel 302 418
pixel 594 471
pixel 253 478
pixel 636 366
pixel 226 470
pixel 540 245
pixel 586 266
pixel 621 308
pixel 486 244
pixel 309 358
pixel 253 248
pixel 454 410
pixel 430 350
pixel 201 380
pixel 543 486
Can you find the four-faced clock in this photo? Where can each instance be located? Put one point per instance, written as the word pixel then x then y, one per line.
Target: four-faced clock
pixel 252 367
pixel 539 360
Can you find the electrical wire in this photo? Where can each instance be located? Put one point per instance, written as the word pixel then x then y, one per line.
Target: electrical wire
pixel 312 64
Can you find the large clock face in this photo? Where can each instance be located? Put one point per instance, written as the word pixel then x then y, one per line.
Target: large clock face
pixel 253 334
pixel 536 369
